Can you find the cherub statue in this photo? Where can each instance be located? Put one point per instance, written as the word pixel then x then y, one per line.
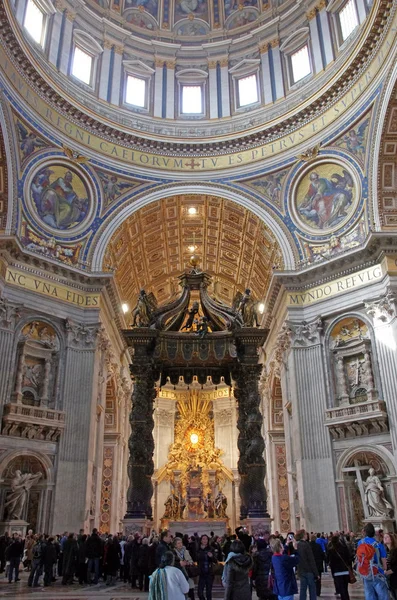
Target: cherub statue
pixel 202 328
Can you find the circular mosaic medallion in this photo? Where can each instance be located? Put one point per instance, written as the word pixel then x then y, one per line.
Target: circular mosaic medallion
pixel 61 197
pixel 325 196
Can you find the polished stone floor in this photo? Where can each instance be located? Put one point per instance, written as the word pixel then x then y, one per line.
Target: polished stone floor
pixel 20 591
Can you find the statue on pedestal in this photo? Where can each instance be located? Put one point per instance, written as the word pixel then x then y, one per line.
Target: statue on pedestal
pixel 375 499
pixel 221 505
pixel 16 499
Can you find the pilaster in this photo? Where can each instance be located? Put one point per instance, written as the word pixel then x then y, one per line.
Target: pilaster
pixel 326 34
pixel 74 481
pixel 9 315
pixel 277 69
pixel 224 66
pixel 212 92
pixel 105 73
pixel 116 75
pixel 158 87
pixel 312 451
pixel 315 39
pixel 66 42
pixel 170 100
pixel 55 37
pixel 266 77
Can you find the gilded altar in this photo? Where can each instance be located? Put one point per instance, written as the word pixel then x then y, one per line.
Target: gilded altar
pixel 195 469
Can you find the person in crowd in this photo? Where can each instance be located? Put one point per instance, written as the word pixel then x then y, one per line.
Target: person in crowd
pixel 307 568
pixel 112 561
pixel 319 558
pixel 152 554
pixel 94 553
pixel 261 569
pixel 70 553
pixel 340 564
pixel 167 582
pixel 81 559
pixel 4 542
pixel 285 585
pixel 216 546
pixel 134 568
pixel 205 559
pixel 183 561
pixel 289 546
pixel 375 586
pixel 235 576
pixel 322 542
pixel 49 558
pixel 143 565
pixel 123 566
pixel 14 554
pixel 62 542
pixel 28 547
pixel 390 541
pixel 37 561
pixel 164 546
pixel 244 537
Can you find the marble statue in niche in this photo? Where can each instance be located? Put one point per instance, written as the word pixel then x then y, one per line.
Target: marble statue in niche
pixel 17 497
pixel 325 197
pixel 60 197
pixel 374 495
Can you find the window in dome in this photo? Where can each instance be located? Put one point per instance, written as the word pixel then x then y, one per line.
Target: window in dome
pixel 300 64
pixel 135 92
pixel 82 65
pixel 348 19
pixel 34 22
pixel 248 90
pixel 192 100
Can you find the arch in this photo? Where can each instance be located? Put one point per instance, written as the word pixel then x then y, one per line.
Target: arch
pixel 114 222
pixel 381 122
pixel 378 450
pixel 43 459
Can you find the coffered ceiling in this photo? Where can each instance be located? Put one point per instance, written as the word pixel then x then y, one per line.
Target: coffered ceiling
pixel 151 248
pixel 387 169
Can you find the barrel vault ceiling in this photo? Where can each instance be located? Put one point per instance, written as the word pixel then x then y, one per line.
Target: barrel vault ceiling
pixel 151 248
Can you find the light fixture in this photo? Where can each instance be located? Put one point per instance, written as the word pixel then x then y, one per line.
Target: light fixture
pixel 261 308
pixel 191 248
pixel 125 308
pixel 192 210
pixel 194 438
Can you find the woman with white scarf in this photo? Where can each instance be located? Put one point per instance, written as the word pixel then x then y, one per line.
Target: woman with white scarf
pixel 167 582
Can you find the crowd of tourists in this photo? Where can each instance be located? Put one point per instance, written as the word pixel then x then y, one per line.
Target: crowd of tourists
pixel 173 567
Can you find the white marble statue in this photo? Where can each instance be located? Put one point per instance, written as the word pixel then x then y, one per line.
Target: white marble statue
pixel 375 499
pixel 16 499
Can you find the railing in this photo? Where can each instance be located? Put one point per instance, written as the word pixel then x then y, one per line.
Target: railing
pixel 354 411
pixel 22 410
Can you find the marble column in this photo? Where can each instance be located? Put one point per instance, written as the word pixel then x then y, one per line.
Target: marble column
pixel 141 443
pixel 251 445
pixel 46 382
pixel 9 315
pixel 312 444
pixel 77 444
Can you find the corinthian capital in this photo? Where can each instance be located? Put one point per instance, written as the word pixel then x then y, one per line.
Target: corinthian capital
pixel 306 333
pixel 9 314
pixel 383 309
pixel 82 336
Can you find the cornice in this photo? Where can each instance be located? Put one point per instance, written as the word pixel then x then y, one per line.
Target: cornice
pixel 371 37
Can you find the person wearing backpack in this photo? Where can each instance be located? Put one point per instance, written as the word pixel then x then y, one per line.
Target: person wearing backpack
pixel 371 565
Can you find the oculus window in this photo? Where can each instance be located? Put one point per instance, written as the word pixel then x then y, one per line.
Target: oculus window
pixel 135 92
pixel 192 100
pixel 348 19
pixel 82 65
pixel 247 90
pixel 34 21
pixel 300 64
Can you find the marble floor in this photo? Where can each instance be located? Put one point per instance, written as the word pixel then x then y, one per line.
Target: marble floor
pixel 20 591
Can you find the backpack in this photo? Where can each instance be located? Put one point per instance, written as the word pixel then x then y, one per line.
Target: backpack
pixel 367 567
